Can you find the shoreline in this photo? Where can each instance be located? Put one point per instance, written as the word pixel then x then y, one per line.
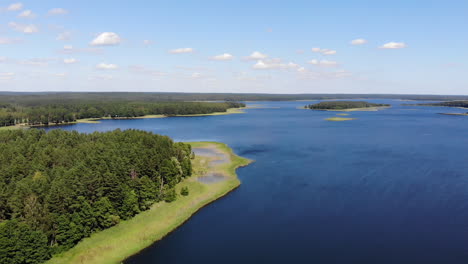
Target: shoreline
pixel 128 238
pixel 97 120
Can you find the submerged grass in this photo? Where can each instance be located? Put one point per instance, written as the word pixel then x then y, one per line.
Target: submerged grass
pixel 115 244
pixel 340 119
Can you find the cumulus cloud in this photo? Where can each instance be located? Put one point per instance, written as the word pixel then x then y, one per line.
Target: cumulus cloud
pixel 106 39
pixel 181 50
pixel 15 7
pixel 58 11
pixel 274 64
pixel 147 42
pixel 106 66
pixel 393 45
pixel 324 63
pixel 27 14
pixel 324 51
pixel 256 55
pixel 27 29
pixel 223 57
pixel 70 61
pixel 358 41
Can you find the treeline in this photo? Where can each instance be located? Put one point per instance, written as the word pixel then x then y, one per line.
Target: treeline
pixel 463 104
pixel 41 113
pixel 54 97
pixel 343 105
pixel 58 187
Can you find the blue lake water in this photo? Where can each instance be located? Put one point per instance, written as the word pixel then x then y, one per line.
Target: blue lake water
pixel 389 187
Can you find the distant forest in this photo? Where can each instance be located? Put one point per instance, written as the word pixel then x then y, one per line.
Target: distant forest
pixel 45 111
pixel 54 97
pixel 343 105
pixel 463 104
pixel 59 187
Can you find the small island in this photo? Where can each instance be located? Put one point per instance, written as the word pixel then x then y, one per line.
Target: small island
pixel 347 106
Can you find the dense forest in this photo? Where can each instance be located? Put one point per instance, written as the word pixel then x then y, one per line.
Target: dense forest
pixel 463 104
pixel 74 97
pixel 55 112
pixel 58 187
pixel 343 105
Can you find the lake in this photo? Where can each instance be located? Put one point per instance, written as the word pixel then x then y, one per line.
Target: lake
pixel 389 187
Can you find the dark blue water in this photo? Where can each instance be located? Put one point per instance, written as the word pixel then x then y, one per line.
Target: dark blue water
pixel 389 187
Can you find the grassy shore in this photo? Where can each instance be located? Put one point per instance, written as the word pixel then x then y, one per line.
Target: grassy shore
pixel 115 244
pixel 339 119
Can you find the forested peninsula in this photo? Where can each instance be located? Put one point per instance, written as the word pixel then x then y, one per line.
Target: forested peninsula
pixel 59 187
pixel 46 112
pixel 346 106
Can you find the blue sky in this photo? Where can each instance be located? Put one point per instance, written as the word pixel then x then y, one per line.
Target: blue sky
pixel 415 46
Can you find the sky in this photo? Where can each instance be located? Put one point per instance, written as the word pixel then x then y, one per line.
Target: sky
pixel 255 46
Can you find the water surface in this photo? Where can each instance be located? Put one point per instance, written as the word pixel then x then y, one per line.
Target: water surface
pixel 389 187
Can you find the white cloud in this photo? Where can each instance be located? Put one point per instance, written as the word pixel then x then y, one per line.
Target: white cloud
pixel 106 39
pixel 223 57
pixel 64 36
pixel 274 64
pixel 358 41
pixel 181 50
pixel 256 55
pixel 105 66
pixel 15 7
pixel 324 63
pixel 324 51
pixel 27 14
pixel 27 29
pixel 69 49
pixel 70 61
pixel 393 45
pixel 58 11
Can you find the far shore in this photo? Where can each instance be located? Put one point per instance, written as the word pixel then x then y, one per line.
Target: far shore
pixel 118 243
pixel 229 111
